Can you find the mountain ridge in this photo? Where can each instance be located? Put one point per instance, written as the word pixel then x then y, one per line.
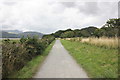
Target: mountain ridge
pixel 19 34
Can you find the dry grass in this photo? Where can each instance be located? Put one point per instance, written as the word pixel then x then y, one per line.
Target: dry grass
pixel 73 39
pixel 102 41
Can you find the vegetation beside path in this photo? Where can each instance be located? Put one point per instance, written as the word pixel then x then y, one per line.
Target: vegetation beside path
pixel 30 69
pixel 17 53
pixel 98 62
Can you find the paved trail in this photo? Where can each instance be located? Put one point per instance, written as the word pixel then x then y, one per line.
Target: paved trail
pixel 59 64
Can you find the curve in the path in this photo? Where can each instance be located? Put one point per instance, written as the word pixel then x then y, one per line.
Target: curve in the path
pixel 59 64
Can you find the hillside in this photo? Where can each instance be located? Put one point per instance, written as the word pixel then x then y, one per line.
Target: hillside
pixel 13 31
pixel 31 34
pixel 19 35
pixel 8 35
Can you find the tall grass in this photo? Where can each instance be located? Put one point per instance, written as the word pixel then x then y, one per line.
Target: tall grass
pixel 102 41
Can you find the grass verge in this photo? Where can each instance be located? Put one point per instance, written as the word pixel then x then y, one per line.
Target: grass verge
pixel 98 62
pixel 31 68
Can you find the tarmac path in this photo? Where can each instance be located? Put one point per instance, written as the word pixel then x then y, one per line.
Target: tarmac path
pixel 60 64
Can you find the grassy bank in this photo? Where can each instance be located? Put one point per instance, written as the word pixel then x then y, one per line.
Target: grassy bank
pixel 98 62
pixel 31 68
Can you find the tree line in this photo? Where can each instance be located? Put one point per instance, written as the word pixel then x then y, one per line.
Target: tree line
pixel 109 29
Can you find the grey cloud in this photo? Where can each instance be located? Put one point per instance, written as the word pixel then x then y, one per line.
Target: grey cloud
pixel 48 17
pixel 119 9
pixel 108 9
pixel 45 30
pixel 68 4
pixel 6 26
pixel 9 3
pixel 89 8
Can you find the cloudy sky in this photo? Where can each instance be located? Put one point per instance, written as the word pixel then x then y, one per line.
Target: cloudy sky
pixel 48 16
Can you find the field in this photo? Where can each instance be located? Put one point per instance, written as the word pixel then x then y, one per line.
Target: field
pixel 98 62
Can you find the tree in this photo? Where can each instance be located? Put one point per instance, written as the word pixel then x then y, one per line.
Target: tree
pixel 68 34
pixel 99 33
pixel 77 33
pixel 113 23
pixel 111 27
pixel 88 32
pixel 58 33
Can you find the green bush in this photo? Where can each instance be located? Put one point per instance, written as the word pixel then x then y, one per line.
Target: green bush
pixel 17 54
pixel 13 57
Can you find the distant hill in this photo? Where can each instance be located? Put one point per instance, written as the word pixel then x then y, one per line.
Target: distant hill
pixel 31 34
pixel 6 34
pixel 13 31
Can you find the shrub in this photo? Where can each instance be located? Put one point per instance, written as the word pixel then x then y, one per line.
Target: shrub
pixel 17 54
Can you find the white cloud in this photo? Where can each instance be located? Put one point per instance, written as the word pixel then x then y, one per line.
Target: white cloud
pixel 50 15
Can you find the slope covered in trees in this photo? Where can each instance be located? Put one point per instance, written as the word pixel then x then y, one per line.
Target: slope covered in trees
pixel 109 29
